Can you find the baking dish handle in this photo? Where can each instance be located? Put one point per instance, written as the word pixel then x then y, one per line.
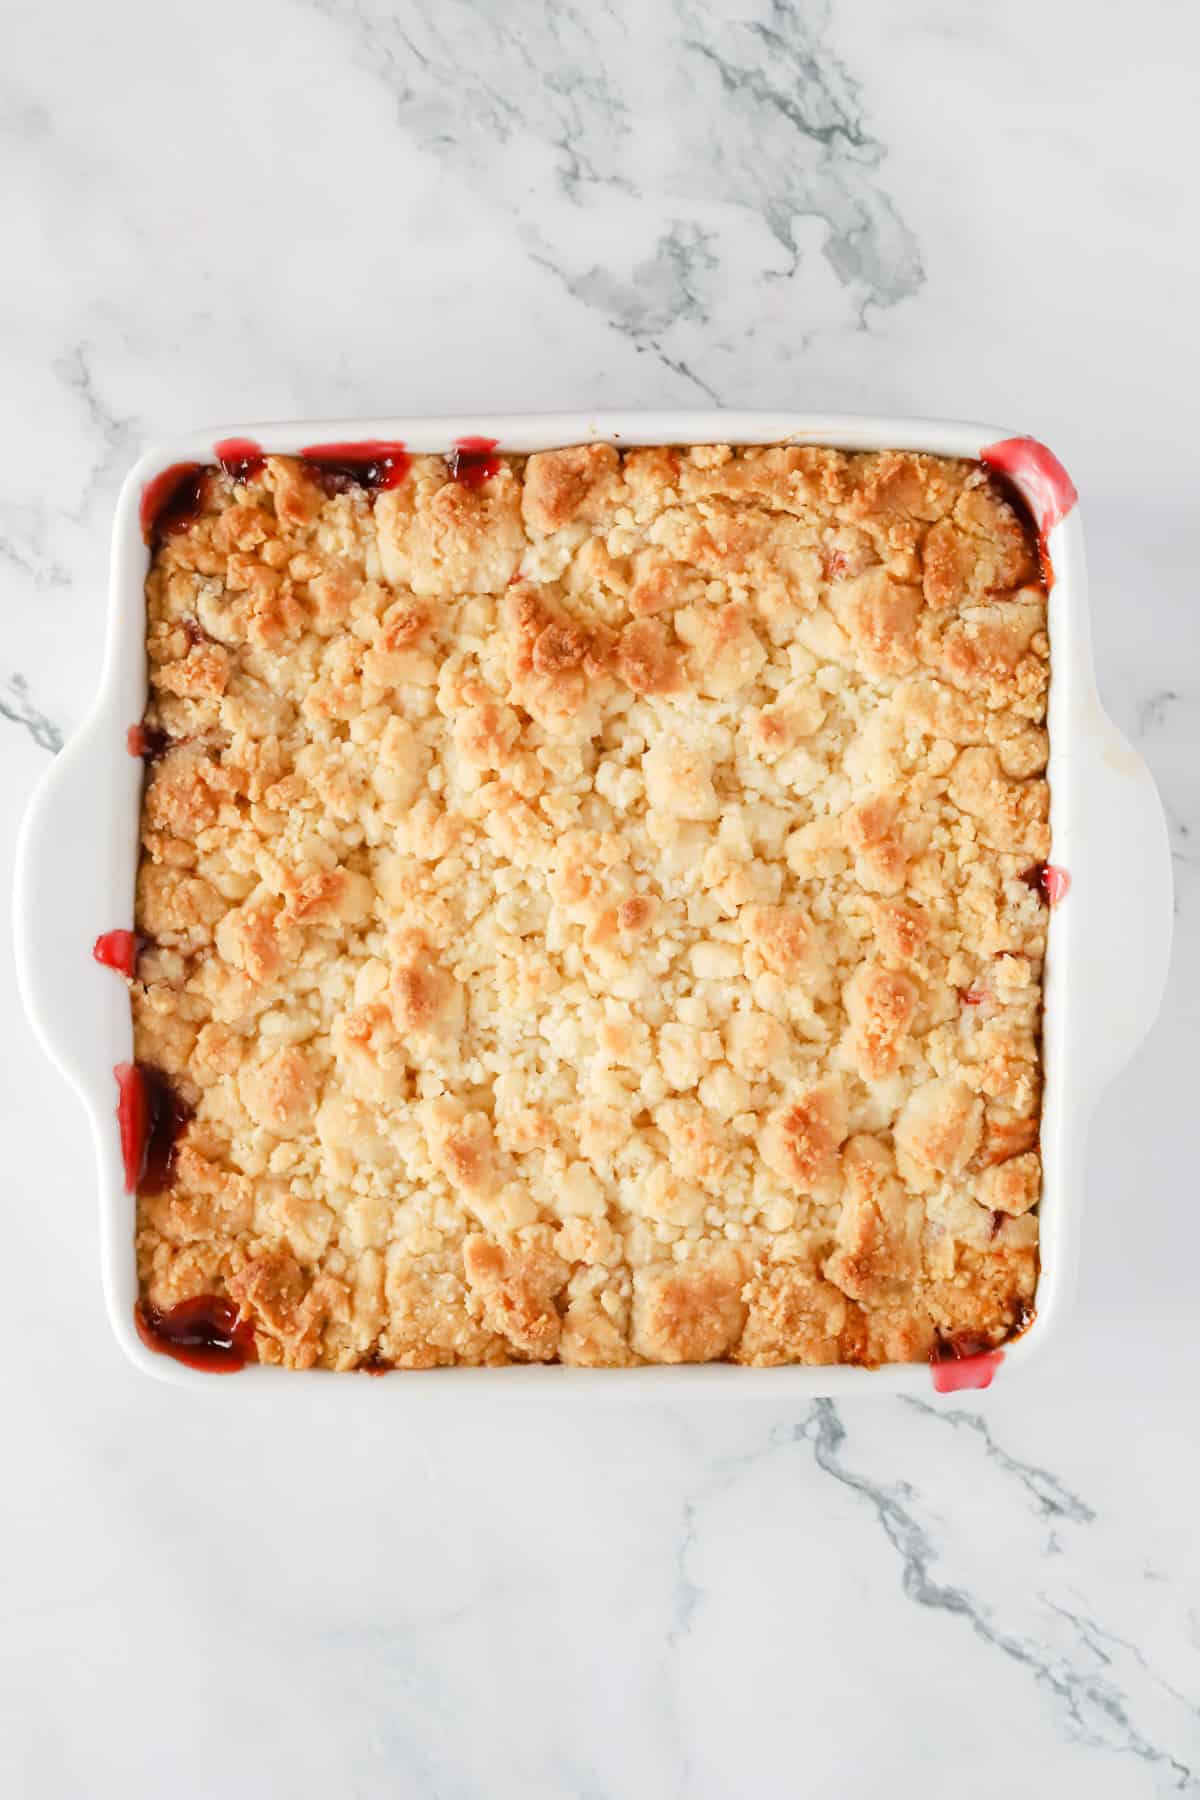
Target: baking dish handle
pixel 1121 902
pixel 72 850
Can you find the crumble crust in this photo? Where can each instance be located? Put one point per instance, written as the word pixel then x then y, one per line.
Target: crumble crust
pixel 585 909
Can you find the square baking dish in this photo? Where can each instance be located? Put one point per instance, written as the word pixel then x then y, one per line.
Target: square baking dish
pixel 1108 944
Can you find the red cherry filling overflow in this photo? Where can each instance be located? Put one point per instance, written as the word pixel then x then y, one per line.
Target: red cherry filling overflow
pixel 171 499
pixel 1050 882
pixel 1035 476
pixel 241 458
pixel 472 461
pixel 966 1372
pixel 151 1116
pixel 1047 488
pixel 963 1361
pixel 372 464
pixel 117 950
pixel 147 741
pixel 204 1332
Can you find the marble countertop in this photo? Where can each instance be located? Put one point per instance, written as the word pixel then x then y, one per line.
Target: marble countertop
pixel 339 207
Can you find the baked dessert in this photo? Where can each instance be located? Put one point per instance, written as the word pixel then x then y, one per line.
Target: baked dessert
pixel 591 907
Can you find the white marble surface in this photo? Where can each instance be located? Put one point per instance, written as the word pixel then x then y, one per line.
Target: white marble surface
pixel 328 207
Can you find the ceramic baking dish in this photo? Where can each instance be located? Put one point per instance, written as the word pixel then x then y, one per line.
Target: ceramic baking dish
pixel 1109 938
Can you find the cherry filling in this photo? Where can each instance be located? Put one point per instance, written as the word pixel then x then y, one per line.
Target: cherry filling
pixel 471 461
pixel 171 499
pixel 1048 881
pixel 965 1372
pixel 151 1116
pixel 118 950
pixel 373 464
pixel 205 1333
pixel 963 1360
pixel 1044 483
pixel 241 458
pixel 147 741
pixel 133 1119
pixel 959 1345
pixel 1036 484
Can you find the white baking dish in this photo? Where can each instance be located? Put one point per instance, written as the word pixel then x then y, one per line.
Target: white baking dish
pixel 1108 946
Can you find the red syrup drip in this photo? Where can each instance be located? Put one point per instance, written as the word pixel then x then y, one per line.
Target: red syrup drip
pixel 241 458
pixel 372 464
pixel 147 741
pixel 1045 566
pixel 959 1344
pixel 1047 489
pixel 204 1333
pixel 1042 483
pixel 376 1365
pixel 133 1119
pixel 964 1359
pixel 170 500
pixel 118 950
pixel 471 461
pixel 1049 882
pixel 965 1372
pixel 151 1116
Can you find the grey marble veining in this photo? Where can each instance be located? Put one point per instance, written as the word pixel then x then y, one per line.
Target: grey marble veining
pixel 761 136
pixel 1106 1692
pixel 16 708
pixel 330 207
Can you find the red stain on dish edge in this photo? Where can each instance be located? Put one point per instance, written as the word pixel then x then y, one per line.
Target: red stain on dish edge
pixel 147 741
pixel 241 458
pixel 151 1115
pixel 133 1118
pixel 204 1333
pixel 1045 566
pixel 1047 880
pixel 1055 883
pixel 472 462
pixel 170 499
pixel 169 1113
pixel 965 1371
pixel 118 950
pixel 1038 480
pixel 1045 485
pixel 372 464
pixel 965 1359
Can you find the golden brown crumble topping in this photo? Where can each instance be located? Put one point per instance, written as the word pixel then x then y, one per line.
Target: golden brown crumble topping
pixel 586 910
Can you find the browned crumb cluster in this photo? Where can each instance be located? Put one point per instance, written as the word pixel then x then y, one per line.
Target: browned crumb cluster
pixel 585 909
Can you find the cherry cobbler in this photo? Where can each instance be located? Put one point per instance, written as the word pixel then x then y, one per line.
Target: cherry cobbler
pixel 591 908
